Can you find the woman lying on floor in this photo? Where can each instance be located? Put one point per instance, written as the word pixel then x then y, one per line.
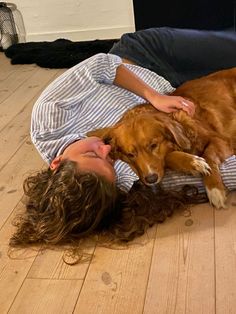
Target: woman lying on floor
pixel 83 190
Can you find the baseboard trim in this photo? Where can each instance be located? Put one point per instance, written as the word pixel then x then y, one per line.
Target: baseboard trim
pixel 81 35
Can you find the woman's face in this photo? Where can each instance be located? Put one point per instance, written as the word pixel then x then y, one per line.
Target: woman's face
pixel 91 155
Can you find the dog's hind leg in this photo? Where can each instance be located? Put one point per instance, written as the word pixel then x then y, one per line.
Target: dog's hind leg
pixel 215 188
pixel 215 153
pixel 207 167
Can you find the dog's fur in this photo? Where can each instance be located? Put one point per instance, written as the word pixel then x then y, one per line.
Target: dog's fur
pixel 150 141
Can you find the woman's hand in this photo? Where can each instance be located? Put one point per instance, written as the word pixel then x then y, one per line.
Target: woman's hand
pixel 130 81
pixel 169 104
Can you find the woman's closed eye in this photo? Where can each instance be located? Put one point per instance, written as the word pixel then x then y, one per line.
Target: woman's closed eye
pixel 91 154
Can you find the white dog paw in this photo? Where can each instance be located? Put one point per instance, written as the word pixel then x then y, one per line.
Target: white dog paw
pixel 216 197
pixel 201 166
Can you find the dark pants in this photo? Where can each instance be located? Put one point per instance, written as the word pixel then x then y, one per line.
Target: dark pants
pixel 179 55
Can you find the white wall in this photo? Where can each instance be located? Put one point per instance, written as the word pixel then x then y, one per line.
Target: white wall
pixel 76 20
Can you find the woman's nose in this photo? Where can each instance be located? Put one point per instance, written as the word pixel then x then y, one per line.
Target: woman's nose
pixel 104 150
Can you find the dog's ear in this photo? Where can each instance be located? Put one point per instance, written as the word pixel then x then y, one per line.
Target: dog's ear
pixel 177 132
pixel 172 130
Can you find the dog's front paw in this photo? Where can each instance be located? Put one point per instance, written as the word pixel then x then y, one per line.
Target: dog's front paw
pixel 201 166
pixel 217 197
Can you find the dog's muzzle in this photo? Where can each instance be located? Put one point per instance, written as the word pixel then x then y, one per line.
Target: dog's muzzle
pixel 151 179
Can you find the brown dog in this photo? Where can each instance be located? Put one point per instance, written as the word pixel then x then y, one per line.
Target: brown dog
pixel 150 141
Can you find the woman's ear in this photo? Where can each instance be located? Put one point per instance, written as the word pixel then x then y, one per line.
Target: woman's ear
pixel 56 162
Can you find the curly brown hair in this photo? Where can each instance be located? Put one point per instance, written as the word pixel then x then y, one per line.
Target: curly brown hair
pixel 64 205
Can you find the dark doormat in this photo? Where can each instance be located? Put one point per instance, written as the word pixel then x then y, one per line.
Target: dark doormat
pixel 61 53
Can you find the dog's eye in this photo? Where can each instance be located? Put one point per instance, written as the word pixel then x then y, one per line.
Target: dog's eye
pixel 130 155
pixel 153 146
pixel 107 140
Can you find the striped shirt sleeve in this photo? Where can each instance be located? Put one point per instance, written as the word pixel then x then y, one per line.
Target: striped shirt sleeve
pixel 175 180
pixel 61 105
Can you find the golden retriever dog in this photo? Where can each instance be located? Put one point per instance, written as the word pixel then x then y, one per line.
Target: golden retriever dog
pixel 151 141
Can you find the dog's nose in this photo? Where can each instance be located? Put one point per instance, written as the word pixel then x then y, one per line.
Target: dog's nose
pixel 151 178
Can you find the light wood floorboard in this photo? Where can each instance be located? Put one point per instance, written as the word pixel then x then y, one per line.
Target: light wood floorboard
pixel 185 265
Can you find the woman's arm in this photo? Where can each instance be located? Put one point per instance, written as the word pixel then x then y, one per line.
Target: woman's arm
pixel 128 80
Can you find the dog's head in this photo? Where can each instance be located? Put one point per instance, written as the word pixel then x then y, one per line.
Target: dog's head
pixel 143 141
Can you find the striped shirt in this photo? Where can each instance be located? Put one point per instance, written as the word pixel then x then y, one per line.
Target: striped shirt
pixel 83 99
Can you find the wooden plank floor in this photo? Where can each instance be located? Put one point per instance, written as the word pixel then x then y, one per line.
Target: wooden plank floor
pixel 186 265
